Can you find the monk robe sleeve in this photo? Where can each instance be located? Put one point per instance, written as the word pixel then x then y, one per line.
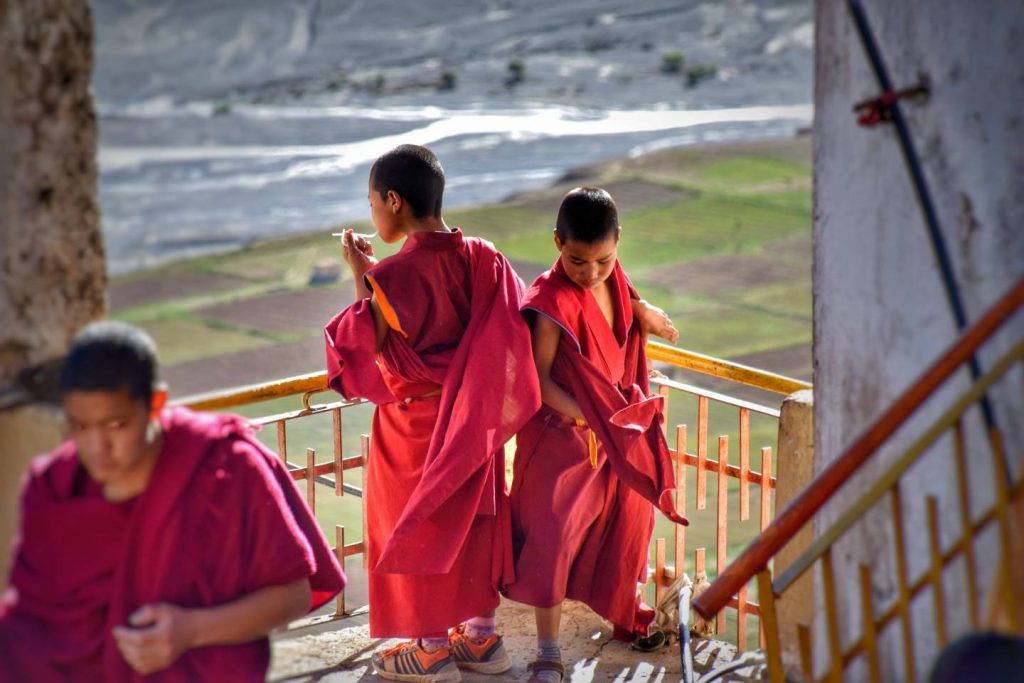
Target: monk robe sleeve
pixel 274 551
pixel 327 577
pixel 628 424
pixel 351 346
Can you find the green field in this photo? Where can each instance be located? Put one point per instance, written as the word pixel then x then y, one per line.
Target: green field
pixel 737 205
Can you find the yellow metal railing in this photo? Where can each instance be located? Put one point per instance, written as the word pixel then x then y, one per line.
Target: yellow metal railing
pixel 315 382
pixel 716 367
pixel 729 462
pixel 994 578
pixel 1000 590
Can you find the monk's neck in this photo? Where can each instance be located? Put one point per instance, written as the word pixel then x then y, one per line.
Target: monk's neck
pixel 426 225
pixel 602 294
pixel 134 481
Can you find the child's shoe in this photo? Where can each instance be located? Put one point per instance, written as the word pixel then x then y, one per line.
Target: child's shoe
pixel 546 671
pixel 410 662
pixel 487 656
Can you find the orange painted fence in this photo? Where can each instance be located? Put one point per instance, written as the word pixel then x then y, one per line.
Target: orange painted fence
pixel 754 480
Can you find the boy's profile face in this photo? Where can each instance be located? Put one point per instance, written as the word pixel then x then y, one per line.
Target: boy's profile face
pixel 384 211
pixel 589 264
pixel 113 433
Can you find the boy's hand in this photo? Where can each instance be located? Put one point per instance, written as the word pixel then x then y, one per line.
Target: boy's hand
pixel 358 253
pixel 654 321
pixel 158 634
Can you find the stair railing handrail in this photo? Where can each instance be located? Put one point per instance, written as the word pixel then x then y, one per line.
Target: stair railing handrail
pixel 803 508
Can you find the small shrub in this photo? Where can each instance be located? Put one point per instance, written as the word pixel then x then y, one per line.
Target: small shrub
pixel 598 43
pixel 449 79
pixel 516 72
pixel 672 62
pixel 699 72
pixel 338 81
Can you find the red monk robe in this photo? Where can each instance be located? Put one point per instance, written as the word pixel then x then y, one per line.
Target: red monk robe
pixel 580 531
pixel 452 383
pixel 220 518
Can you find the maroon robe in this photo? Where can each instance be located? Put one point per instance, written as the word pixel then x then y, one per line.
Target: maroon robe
pixel 453 382
pixel 220 518
pixel 582 532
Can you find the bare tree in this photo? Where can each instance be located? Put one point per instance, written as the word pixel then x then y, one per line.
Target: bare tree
pixel 52 268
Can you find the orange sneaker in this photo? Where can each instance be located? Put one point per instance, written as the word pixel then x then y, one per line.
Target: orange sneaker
pixel 487 656
pixel 410 662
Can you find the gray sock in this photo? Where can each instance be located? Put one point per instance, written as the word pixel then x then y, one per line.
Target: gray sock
pixel 548 650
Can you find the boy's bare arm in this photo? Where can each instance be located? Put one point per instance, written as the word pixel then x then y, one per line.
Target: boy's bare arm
pixel 160 633
pixel 546 335
pixel 654 321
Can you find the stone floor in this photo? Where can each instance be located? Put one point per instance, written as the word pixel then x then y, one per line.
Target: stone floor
pixel 340 651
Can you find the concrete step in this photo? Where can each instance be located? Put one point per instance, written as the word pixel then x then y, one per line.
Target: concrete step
pixel 340 652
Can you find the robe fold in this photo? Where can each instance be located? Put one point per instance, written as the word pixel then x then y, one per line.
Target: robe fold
pixel 453 382
pixel 579 531
pixel 220 518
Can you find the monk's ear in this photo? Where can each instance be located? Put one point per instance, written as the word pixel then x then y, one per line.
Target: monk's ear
pixel 618 234
pixel 158 402
pixel 558 241
pixel 395 202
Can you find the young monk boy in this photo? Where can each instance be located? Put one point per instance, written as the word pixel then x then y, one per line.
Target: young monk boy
pixel 593 459
pixel 156 542
pixel 436 340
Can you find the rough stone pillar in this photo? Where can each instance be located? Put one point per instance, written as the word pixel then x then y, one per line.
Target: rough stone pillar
pixel 52 267
pixel 795 471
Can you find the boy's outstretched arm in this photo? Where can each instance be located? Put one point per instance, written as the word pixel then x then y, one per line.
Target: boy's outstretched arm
pixel 654 321
pixel 546 335
pixel 160 633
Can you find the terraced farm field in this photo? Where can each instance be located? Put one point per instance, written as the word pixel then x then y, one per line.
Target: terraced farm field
pixel 718 236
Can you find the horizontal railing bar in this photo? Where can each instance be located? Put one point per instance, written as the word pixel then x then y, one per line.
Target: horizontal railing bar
pixel 802 508
pixel 254 393
pixel 715 396
pixel 351 549
pixel 884 483
pixel 730 470
pixel 299 473
pixel 323 473
pixel 316 382
pixel 716 367
pixel 305 412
